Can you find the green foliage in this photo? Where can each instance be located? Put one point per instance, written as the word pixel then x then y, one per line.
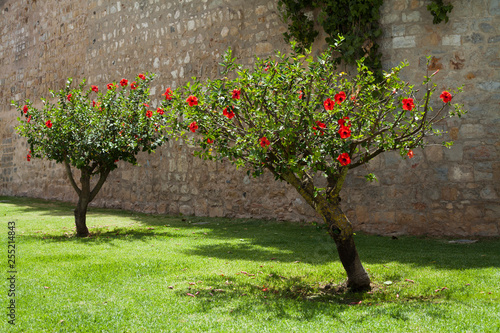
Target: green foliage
pixel 93 129
pixel 281 121
pixel 118 280
pixel 439 11
pixel 355 20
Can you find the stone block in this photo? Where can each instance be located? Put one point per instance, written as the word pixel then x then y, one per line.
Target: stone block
pixel 454 153
pixel 494 8
pixel 451 40
pixel 493 86
pixel 470 131
pixel 186 210
pixel 494 39
pixel 480 153
pixel 403 42
pixel 450 194
pixel 488 193
pixel 263 48
pixel 411 17
pixel 461 173
pixel 485 229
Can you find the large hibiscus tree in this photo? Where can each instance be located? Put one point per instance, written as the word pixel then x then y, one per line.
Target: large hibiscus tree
pixel 299 118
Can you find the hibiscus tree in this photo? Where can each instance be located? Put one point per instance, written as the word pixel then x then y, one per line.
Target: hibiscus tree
pixel 298 119
pixel 91 129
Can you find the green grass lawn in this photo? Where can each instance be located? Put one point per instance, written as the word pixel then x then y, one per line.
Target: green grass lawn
pixel 152 273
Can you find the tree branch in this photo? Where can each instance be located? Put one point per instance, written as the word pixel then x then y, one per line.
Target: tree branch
pixel 70 176
pixel 102 178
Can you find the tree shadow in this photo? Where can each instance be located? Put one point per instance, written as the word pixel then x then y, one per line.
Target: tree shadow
pixel 277 297
pixel 261 240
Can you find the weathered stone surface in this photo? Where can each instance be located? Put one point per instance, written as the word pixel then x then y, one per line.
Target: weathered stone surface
pixel 438 192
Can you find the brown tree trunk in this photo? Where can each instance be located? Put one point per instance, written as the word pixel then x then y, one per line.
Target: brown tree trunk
pixel 340 229
pixel 85 195
pixel 83 202
pixel 81 218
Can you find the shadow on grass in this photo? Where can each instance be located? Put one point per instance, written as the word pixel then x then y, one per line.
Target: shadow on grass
pixel 101 236
pixel 276 298
pixel 272 240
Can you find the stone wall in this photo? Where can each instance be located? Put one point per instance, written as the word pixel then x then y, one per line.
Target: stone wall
pixel 440 191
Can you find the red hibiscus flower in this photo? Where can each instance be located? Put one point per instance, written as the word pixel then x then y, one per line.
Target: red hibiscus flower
pixel 264 142
pixel 25 109
pixel 93 103
pixel 344 159
pixel 29 118
pixel 301 94
pixel 329 104
pixel 446 96
pixel 320 124
pixel 319 127
pixel 123 82
pixel 192 100
pixel 160 111
pixel 69 97
pixel 236 94
pixel 344 132
pixel 210 140
pixel 344 122
pixel 410 153
pixel 353 98
pixel 340 97
pixel 110 86
pixel 149 113
pixel 48 123
pixel 142 77
pixel 95 89
pixel 193 126
pixel 408 104
pixel 229 114
pixel 146 105
pixel 134 85
pixel 28 157
pixel 168 94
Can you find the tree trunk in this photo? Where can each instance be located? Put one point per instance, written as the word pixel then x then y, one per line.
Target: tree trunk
pixel 85 194
pixel 340 229
pixel 81 218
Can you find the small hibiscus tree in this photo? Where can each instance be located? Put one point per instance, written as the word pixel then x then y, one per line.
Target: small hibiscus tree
pixel 91 129
pixel 300 119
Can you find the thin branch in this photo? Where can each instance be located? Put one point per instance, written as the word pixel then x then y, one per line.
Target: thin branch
pixel 102 178
pixel 70 176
